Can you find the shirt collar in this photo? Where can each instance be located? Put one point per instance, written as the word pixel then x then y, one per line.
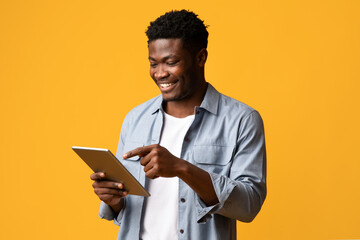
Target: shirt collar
pixel 209 103
pixel 211 100
pixel 157 104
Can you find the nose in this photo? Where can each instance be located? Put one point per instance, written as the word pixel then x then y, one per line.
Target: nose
pixel 161 72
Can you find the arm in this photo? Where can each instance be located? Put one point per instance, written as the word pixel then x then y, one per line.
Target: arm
pixel 239 195
pixel 159 162
pixel 243 192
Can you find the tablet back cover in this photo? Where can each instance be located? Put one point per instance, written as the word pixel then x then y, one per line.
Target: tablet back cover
pixel 102 160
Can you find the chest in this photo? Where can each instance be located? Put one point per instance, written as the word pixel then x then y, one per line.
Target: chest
pixel 209 142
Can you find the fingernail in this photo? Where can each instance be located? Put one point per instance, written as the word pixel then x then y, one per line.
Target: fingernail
pixel 125 155
pixel 102 175
pixel 120 185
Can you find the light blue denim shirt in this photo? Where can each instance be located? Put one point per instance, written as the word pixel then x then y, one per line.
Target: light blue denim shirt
pixel 226 139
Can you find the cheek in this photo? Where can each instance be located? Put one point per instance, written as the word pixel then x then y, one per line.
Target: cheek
pixel 179 73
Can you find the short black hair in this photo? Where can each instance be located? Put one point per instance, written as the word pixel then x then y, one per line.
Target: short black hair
pixel 180 24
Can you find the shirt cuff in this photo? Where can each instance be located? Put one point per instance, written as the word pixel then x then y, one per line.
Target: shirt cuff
pixel 106 212
pixel 223 189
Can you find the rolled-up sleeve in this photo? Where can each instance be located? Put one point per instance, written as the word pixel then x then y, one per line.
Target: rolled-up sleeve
pixel 241 193
pixel 106 212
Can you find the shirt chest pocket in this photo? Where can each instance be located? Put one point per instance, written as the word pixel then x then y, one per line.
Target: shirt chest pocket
pixel 213 158
pixel 132 164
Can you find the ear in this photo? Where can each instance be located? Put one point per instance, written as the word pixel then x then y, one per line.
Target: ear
pixel 201 57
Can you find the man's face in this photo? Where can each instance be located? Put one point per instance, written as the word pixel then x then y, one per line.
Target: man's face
pixel 173 69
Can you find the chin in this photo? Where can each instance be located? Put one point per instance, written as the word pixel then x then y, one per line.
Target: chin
pixel 170 96
pixel 173 98
pixel 170 99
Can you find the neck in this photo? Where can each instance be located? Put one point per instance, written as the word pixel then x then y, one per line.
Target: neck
pixel 185 107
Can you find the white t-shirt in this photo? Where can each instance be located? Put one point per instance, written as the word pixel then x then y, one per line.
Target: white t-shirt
pixel 160 216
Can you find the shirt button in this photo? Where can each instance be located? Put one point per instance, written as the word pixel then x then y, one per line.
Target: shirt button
pixel 182 199
pixel 181 231
pixel 197 111
pixel 187 139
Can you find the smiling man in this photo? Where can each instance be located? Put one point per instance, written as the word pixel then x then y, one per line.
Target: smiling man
pixel 200 154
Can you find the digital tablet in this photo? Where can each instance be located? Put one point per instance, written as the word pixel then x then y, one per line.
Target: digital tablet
pixel 102 160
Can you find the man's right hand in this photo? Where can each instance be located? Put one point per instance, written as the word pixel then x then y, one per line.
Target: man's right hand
pixel 111 193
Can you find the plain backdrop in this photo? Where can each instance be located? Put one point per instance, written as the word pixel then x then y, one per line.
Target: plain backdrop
pixel 71 70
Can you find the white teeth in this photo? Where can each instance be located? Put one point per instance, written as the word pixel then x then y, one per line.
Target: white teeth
pixel 164 85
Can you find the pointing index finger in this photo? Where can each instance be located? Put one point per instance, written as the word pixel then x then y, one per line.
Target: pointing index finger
pixel 140 151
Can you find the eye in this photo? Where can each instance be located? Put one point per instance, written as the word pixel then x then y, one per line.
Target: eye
pixel 153 65
pixel 172 63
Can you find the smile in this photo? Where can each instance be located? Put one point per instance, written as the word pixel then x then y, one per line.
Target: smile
pixel 165 85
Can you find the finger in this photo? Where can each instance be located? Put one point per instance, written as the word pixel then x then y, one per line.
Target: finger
pixel 115 192
pixel 152 173
pixel 145 160
pixel 97 176
pixel 107 184
pixel 148 163
pixel 140 151
pixel 148 167
pixel 109 197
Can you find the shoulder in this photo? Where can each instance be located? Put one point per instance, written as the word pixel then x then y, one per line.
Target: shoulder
pixel 238 114
pixel 236 108
pixel 243 117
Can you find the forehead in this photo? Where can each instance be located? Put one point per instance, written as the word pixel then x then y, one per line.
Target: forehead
pixel 161 48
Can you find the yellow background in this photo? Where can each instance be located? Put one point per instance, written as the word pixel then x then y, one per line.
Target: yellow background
pixel 71 70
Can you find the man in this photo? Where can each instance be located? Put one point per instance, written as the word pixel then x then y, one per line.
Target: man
pixel 200 154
